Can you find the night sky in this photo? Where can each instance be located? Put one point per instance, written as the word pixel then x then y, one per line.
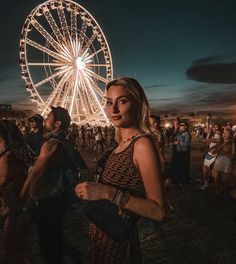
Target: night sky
pixel 182 52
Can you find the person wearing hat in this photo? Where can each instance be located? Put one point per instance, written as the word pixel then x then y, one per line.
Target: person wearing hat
pixel 34 139
pixel 41 186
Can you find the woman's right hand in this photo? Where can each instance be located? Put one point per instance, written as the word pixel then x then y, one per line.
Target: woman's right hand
pixel 95 191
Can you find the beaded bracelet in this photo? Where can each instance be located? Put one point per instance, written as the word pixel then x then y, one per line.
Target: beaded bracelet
pixel 121 198
pixel 125 200
pixel 115 195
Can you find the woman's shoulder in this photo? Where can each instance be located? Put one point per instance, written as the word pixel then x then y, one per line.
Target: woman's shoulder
pixel 145 150
pixel 143 141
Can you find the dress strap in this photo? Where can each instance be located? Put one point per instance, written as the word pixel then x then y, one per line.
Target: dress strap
pixel 131 145
pixel 140 136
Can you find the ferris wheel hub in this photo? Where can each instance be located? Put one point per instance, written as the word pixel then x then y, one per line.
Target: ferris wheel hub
pixel 80 64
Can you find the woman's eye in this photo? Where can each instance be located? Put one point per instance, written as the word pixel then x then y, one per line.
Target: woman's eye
pixel 109 103
pixel 123 101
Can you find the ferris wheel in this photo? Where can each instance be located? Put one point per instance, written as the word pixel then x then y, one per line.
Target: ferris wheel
pixel 66 61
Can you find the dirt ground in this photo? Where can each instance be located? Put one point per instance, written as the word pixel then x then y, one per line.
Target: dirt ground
pixel 200 230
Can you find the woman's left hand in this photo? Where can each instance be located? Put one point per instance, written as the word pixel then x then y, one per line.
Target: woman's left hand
pixel 94 191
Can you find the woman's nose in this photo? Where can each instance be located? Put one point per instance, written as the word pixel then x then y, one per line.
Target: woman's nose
pixel 115 108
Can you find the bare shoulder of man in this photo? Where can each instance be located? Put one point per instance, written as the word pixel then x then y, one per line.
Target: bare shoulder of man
pixel 49 147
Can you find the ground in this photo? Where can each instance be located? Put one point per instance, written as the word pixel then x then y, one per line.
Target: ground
pixel 200 229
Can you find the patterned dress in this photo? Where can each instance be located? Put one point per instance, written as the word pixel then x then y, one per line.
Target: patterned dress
pixel 119 171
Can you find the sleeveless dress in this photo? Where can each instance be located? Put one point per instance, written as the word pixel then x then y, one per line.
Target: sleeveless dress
pixel 119 171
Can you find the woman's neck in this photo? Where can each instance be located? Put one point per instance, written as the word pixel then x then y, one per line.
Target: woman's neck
pixel 128 133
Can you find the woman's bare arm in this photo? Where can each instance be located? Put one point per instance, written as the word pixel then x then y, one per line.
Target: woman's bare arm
pixel 147 161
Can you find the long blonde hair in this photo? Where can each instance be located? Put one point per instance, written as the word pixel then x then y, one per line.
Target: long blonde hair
pixel 138 94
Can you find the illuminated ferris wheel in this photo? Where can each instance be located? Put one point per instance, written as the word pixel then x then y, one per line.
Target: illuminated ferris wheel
pixel 65 60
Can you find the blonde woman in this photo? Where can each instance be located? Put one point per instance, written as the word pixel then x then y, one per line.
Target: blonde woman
pixel 132 173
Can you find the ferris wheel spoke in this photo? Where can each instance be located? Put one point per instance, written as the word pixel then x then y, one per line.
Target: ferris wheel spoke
pixel 96 34
pixel 96 76
pixel 82 32
pixel 75 47
pixel 63 22
pixel 68 92
pixel 99 107
pixel 83 102
pixel 63 86
pixel 54 26
pixel 97 65
pixel 87 57
pixel 87 97
pixel 96 88
pixel 46 35
pixel 87 94
pixel 46 64
pixel 52 77
pixel 78 105
pixel 74 92
pixel 73 24
pixel 56 90
pixel 65 50
pixel 84 97
pixel 86 100
pixel 90 42
pixel 46 50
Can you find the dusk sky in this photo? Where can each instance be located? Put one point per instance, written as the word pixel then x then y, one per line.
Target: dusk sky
pixel 182 52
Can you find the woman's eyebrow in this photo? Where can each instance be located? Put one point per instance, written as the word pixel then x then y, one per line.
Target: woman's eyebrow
pixel 108 98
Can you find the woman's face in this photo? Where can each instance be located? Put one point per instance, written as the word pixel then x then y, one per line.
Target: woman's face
pixel 226 134
pixel 121 107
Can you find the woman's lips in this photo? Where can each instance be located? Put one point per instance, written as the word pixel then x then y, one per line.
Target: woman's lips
pixel 116 117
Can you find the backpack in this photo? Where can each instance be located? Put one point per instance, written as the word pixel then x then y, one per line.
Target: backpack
pixel 63 179
pixel 75 171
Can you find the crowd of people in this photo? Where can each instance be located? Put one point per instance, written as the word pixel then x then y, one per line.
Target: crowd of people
pixel 36 154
